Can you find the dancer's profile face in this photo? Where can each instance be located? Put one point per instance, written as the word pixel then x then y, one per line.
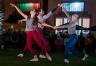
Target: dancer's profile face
pixel 74 17
pixel 41 12
pixel 32 12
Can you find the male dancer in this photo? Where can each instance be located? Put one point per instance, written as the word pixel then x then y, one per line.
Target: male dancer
pixel 70 46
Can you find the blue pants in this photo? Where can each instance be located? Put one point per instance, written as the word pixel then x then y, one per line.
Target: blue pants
pixel 70 47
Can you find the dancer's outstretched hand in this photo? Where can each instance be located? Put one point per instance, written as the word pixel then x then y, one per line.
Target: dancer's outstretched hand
pixel 52 27
pixel 59 5
pixel 20 21
pixel 13 5
pixel 55 27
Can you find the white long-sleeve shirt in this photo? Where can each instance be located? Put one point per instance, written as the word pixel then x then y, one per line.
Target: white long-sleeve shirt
pixel 71 26
pixel 42 19
pixel 30 26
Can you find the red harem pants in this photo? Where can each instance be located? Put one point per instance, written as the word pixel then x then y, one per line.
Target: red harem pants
pixel 33 35
pixel 43 39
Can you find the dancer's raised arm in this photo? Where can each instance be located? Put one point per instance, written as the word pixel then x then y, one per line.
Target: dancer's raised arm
pixel 65 11
pixel 47 25
pixel 19 11
pixel 22 20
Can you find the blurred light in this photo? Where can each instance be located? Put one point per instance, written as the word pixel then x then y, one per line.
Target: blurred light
pixel 76 5
pixel 37 5
pixel 31 6
pixel 28 6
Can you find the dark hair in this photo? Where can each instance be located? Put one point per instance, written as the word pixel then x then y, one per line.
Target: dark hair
pixel 35 18
pixel 76 14
pixel 39 10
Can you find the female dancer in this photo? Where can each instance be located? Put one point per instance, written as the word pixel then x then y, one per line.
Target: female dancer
pixel 42 18
pixel 31 25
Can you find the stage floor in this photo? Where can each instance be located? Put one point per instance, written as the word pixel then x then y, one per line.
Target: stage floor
pixel 8 57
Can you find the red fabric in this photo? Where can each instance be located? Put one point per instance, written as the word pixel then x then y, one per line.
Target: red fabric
pixel 58 43
pixel 33 35
pixel 43 38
